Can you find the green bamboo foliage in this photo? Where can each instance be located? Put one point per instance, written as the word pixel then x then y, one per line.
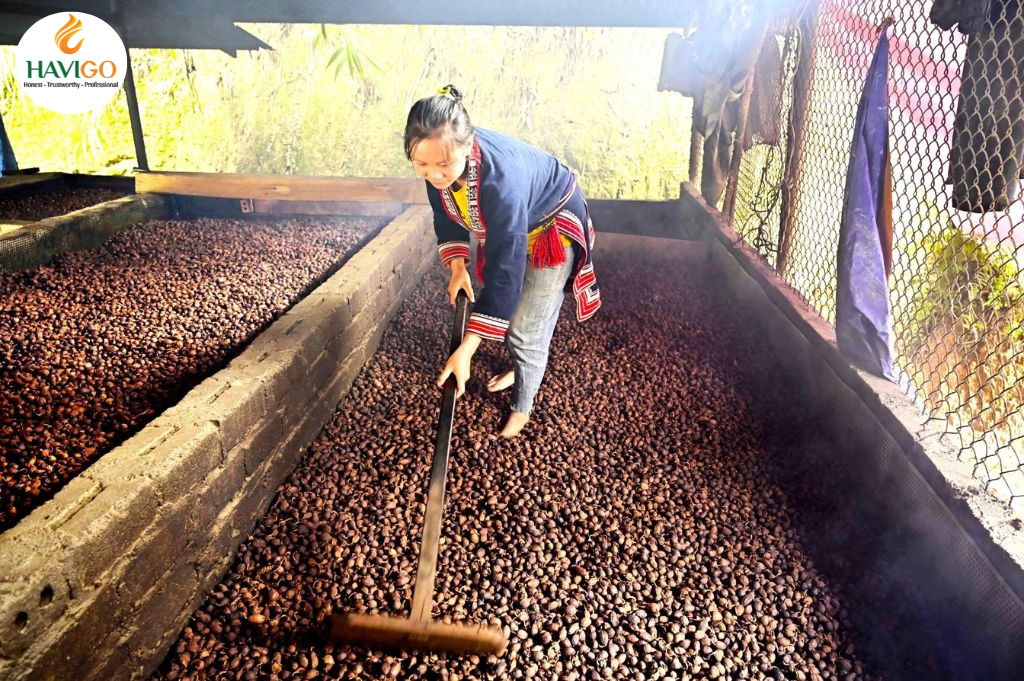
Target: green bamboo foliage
pixel 332 100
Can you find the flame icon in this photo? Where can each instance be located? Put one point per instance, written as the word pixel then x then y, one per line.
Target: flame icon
pixel 66 33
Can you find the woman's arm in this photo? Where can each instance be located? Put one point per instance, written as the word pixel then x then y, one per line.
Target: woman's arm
pixel 459 363
pixel 504 210
pixel 460 280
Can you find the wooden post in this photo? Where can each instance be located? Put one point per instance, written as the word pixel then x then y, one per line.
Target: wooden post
pixel 141 162
pixel 8 162
pixel 696 149
pixel 737 150
pixel 797 126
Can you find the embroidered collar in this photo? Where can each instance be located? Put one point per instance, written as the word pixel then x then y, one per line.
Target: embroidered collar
pixel 476 218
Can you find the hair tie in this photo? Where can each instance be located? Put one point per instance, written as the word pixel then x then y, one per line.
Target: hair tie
pixel 450 91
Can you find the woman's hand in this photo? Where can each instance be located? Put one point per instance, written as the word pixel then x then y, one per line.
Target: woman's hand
pixel 459 363
pixel 460 280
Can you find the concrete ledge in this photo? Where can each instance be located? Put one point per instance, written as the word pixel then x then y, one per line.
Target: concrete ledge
pixel 640 218
pixel 19 185
pixel 98 582
pixel 963 566
pixel 38 242
pixel 207 206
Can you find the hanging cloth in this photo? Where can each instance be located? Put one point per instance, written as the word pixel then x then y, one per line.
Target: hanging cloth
pixel 967 15
pixel 864 259
pixel 763 119
pixel 712 66
pixel 987 152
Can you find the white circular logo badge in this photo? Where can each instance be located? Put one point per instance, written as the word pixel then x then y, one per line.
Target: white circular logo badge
pixel 70 62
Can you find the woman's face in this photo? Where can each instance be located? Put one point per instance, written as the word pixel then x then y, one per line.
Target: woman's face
pixel 438 161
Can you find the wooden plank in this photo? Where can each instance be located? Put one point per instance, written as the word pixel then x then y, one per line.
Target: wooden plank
pixel 363 208
pixel 282 187
pixel 125 183
pixel 18 183
pixel 600 13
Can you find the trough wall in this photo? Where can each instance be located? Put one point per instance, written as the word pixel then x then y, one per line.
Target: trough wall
pixel 98 582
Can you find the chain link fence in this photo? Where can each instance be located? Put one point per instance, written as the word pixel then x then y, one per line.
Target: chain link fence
pixel 957 147
pixel 758 209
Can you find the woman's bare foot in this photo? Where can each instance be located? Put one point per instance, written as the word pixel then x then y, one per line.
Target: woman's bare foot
pixel 501 382
pixel 515 423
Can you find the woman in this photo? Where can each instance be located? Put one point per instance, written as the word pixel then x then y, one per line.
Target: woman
pixel 534 240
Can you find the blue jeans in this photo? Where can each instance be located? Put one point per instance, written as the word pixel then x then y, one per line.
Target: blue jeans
pixel 529 331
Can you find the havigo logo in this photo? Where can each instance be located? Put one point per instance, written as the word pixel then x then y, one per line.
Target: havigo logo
pixel 70 63
pixel 66 33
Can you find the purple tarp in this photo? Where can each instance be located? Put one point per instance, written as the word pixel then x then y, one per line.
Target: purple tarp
pixel 863 317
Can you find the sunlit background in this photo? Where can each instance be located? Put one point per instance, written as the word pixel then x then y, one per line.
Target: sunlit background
pixel 332 100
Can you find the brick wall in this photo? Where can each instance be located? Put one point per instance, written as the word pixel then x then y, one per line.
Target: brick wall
pixel 99 581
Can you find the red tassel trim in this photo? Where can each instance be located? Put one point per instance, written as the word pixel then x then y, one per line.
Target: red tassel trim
pixel 547 249
pixel 480 263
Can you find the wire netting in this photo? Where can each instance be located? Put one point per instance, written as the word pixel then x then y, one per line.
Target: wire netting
pixel 86 229
pixel 957 145
pixel 757 213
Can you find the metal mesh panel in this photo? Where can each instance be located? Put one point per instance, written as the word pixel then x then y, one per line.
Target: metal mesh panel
pixel 80 230
pixel 957 146
pixel 24 250
pixel 17 252
pixel 758 209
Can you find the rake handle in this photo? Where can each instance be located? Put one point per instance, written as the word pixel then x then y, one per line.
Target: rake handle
pixel 423 595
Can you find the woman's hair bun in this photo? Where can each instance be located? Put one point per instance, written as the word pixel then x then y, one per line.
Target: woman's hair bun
pixel 442 114
pixel 451 91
